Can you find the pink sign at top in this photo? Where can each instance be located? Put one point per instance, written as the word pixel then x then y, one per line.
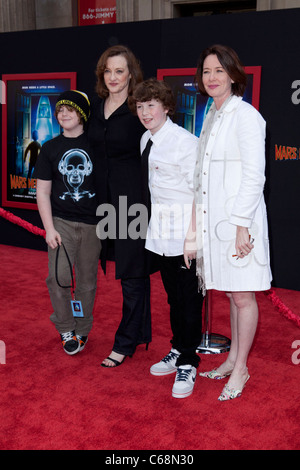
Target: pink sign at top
pixel 96 12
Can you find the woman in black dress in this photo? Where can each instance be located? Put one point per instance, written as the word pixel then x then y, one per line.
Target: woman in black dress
pixel 114 134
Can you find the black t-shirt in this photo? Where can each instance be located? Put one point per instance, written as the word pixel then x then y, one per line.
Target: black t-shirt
pixel 68 162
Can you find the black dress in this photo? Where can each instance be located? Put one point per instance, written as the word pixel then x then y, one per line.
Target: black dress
pixel 116 146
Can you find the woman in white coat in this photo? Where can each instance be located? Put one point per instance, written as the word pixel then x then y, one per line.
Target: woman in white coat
pixel 228 233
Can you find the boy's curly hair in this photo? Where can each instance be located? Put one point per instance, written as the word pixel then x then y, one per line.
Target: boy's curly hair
pixel 153 89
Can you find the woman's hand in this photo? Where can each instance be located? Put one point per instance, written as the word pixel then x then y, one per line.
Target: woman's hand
pixel 242 242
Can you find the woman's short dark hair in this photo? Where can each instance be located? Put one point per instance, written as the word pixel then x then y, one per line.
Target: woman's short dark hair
pixel 153 89
pixel 132 63
pixel 230 62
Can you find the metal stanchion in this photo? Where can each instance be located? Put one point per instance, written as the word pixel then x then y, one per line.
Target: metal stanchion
pixel 211 343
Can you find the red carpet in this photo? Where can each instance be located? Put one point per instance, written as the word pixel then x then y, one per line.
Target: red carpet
pixel 52 401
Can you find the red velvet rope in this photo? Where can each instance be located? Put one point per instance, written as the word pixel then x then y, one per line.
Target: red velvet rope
pixel 18 221
pixel 278 304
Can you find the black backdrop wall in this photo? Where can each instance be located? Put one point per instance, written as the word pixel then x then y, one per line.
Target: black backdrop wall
pixel 268 39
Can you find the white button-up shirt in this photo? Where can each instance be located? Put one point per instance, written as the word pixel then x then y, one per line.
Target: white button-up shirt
pixel 171 168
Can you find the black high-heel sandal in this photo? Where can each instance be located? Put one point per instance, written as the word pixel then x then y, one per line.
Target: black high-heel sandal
pixel 117 363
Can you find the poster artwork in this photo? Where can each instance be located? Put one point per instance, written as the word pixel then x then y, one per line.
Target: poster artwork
pixel 28 121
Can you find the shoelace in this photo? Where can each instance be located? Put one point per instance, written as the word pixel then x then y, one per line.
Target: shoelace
pixel 169 357
pixel 182 374
pixel 67 336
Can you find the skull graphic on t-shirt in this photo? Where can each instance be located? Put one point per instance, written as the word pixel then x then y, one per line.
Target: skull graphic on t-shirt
pixel 75 165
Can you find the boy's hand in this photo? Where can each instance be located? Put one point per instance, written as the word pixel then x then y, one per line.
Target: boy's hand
pixel 53 239
pixel 189 250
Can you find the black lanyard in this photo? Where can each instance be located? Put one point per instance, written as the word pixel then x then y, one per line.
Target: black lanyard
pixel 71 270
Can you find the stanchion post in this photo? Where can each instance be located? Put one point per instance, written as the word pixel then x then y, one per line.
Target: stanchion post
pixel 211 343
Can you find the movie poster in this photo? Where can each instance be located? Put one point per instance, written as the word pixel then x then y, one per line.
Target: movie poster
pixel 28 121
pixel 191 107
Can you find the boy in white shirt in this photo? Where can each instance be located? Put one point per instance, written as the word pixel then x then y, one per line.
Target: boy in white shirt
pixel 169 171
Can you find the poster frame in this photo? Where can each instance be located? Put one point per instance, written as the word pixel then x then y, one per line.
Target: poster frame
pixel 36 78
pixel 255 71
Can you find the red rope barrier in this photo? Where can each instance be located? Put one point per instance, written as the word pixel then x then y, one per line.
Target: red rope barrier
pixel 279 305
pixel 37 231
pixel 22 223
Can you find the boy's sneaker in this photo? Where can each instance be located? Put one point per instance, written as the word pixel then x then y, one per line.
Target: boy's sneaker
pixel 167 364
pixel 70 343
pixel 184 381
pixel 82 341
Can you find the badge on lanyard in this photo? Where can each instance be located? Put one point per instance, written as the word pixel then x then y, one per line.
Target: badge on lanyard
pixel 77 308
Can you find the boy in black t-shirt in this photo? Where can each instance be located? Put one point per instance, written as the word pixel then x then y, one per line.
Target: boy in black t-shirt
pixel 67 206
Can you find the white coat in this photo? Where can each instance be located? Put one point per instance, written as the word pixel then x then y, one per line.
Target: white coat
pixel 233 178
